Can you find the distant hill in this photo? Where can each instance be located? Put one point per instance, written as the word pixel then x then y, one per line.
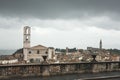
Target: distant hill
pixel 7 52
pixel 19 51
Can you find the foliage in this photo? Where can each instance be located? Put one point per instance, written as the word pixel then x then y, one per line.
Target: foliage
pixel 114 51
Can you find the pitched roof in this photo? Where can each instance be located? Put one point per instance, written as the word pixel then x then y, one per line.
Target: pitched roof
pixel 39 47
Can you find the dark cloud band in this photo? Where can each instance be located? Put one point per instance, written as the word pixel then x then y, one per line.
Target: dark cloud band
pixel 57 8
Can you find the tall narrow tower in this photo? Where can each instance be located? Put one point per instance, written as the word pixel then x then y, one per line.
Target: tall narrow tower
pixel 67 50
pixel 100 46
pixel 26 41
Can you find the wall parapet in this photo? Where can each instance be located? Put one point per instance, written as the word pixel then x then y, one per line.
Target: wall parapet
pixel 23 70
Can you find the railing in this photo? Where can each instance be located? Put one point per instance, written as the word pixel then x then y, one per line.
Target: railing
pixel 13 70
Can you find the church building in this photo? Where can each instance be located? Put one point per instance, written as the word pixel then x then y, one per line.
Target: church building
pixel 35 53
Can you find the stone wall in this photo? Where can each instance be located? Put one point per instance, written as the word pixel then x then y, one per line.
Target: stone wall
pixel 24 70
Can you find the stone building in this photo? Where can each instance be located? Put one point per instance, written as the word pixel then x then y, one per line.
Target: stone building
pixel 35 53
pixel 8 59
pixel 26 42
pixel 18 55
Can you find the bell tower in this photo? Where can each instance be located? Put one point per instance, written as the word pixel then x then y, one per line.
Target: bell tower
pixel 26 41
pixel 100 45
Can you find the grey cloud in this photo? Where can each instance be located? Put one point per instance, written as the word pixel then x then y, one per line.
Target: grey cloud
pixel 61 9
pixel 10 23
pixel 57 8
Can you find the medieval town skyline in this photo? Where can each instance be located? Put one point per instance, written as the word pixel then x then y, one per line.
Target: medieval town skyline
pixel 60 23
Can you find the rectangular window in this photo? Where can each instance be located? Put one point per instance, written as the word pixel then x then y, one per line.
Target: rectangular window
pixel 29 52
pixel 38 51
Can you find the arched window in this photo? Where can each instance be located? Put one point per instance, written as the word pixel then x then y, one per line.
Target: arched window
pixel 32 60
pixel 37 60
pixel 27 30
pixel 27 37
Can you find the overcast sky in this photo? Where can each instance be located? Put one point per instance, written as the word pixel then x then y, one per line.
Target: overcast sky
pixel 60 23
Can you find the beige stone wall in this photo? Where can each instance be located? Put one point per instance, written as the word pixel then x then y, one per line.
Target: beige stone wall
pixel 36 54
pixel 26 41
pixel 51 53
